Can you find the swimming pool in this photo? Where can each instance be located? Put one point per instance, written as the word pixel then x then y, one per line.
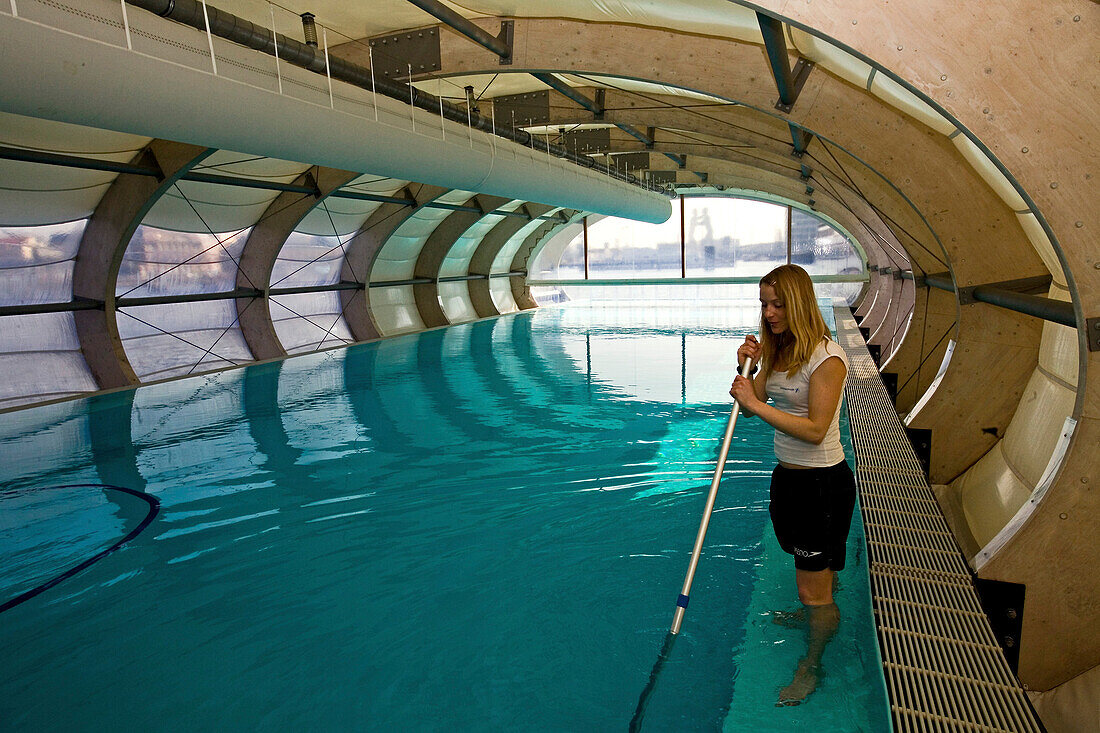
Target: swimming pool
pixel 482 527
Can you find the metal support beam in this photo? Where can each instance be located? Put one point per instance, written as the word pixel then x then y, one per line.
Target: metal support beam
pixel 72 161
pixel 570 93
pixel 597 110
pixel 500 45
pixel 801 137
pixel 1000 295
pixel 787 82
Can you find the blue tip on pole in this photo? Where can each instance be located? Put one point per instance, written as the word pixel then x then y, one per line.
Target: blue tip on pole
pixel 682 601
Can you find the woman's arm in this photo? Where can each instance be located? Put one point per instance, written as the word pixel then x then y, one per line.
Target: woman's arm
pixel 826 384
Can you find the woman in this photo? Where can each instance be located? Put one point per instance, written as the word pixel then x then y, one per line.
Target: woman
pixel 813 490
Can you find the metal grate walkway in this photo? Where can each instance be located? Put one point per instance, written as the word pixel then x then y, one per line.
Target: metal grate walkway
pixel 944 670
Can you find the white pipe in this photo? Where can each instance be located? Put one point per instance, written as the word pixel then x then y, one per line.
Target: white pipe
pixel 48 74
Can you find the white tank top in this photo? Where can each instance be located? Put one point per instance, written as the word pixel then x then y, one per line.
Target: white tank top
pixel 792 394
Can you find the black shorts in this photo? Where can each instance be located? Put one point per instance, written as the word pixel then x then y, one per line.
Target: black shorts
pixel 811 510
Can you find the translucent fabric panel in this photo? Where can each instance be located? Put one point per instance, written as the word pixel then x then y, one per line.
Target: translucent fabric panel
pixel 543 295
pixel 309 321
pixel 571 264
pixel 455 298
pixel 192 206
pixel 394 309
pixel 728 237
pixel 36 263
pixel 457 261
pixel 345 216
pixel 821 249
pixel 308 259
pixel 163 262
pixel 500 289
pixel 397 258
pixel 36 194
pixel 503 261
pixel 564 241
pixel 40 359
pixel 621 248
pixel 182 338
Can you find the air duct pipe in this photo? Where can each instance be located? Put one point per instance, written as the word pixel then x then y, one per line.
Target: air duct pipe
pixel 143 92
pixel 240 31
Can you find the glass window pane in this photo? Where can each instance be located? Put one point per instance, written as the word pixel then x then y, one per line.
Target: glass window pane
pixel 820 248
pixel 620 248
pixel 728 237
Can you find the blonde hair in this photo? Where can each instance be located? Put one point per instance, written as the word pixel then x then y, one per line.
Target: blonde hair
pixel 805 326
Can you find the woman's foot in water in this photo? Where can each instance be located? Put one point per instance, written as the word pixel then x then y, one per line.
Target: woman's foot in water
pixel 804 682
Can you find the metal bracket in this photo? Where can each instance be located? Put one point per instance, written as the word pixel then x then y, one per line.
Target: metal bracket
pixel 801 137
pixel 661 177
pixel 1003 603
pixel 588 141
pixel 530 108
pixel 1092 326
pixel 395 53
pixel 802 69
pixel 921 440
pixel 507 29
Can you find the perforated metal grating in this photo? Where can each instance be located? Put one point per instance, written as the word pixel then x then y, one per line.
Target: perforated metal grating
pixel 944 670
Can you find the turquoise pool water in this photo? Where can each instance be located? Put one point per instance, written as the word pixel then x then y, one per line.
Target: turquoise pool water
pixel 483 527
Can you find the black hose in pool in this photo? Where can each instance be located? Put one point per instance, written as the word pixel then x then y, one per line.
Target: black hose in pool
pixel 154 508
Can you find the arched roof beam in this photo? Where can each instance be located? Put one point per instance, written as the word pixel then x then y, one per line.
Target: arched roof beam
pixel 364 247
pixel 434 251
pixel 104 244
pixel 481 263
pixel 261 249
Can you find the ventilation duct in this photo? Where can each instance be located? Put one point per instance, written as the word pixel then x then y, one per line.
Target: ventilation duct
pixel 50 73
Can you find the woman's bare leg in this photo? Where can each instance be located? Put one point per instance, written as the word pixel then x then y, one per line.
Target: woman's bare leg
pixel 815 590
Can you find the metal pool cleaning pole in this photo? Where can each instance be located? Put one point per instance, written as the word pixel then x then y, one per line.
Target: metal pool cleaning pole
pixel 682 601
